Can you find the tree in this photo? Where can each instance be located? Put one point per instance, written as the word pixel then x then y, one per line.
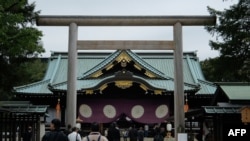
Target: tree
pixel 232 33
pixel 19 41
pixel 217 70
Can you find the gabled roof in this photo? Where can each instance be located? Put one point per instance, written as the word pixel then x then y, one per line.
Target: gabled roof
pixel 233 92
pixel 118 56
pixel 158 66
pixel 236 91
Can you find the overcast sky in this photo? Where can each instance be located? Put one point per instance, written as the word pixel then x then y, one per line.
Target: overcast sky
pixel 195 38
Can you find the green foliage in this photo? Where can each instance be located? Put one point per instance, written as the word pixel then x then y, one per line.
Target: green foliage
pixel 19 41
pixel 232 33
pixel 18 37
pixel 31 71
pixel 218 70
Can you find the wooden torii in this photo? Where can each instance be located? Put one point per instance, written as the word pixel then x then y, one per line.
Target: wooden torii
pixel 176 45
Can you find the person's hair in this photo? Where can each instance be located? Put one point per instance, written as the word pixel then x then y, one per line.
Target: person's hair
pixel 74 129
pixel 69 126
pixel 57 123
pixel 95 127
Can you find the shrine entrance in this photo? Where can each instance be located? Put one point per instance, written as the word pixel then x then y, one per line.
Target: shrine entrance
pixel 176 45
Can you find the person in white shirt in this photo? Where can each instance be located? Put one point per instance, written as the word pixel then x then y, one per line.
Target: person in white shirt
pixel 74 135
pixel 95 134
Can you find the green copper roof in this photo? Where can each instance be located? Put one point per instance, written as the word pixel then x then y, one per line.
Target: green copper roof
pixel 167 85
pixel 23 107
pixel 160 64
pixel 146 65
pixel 112 58
pixel 221 110
pixel 236 91
pixel 101 65
pixel 38 87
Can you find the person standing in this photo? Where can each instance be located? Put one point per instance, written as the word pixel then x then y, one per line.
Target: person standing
pixel 55 134
pixel 132 134
pixel 95 134
pixel 158 136
pixel 68 130
pixel 125 135
pixel 27 135
pixel 140 134
pixel 114 132
pixel 74 135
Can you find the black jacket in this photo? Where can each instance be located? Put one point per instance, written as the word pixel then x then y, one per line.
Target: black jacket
pixel 55 136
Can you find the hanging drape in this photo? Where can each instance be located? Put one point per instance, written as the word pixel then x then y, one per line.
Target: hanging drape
pixel 108 110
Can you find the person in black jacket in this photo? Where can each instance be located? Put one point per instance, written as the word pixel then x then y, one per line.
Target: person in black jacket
pixel 114 132
pixel 55 134
pixel 132 134
pixel 27 135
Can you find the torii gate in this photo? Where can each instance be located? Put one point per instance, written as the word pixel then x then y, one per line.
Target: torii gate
pixel 176 45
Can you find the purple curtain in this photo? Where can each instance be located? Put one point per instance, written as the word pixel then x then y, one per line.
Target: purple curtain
pixel 109 110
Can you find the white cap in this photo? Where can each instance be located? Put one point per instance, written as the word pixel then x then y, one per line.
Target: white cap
pixel 78 125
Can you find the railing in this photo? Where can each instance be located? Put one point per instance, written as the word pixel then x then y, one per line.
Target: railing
pixel 14 125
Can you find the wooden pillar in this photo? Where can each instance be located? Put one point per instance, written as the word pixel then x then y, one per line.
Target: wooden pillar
pixel 72 78
pixel 178 81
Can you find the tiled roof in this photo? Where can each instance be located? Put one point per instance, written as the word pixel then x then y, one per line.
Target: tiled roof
pixel 23 107
pixel 40 87
pixel 221 110
pixel 102 64
pixel 161 64
pixel 146 65
pixel 236 91
pixel 167 85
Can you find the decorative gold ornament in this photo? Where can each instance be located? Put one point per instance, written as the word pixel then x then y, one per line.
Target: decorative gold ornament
pixel 123 63
pixel 89 91
pixel 103 87
pixel 97 74
pixel 157 92
pixel 109 67
pixel 149 74
pixel 123 84
pixel 144 87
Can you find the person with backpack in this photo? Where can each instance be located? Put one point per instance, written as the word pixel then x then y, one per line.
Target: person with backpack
pixel 95 134
pixel 74 135
pixel 55 134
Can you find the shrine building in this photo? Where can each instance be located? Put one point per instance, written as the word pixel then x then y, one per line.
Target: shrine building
pixel 125 86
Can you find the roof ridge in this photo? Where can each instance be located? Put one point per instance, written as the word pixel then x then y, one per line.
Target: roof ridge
pixel 31 84
pixel 103 63
pixel 146 65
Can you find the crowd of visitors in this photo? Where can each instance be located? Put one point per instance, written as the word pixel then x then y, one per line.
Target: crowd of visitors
pixel 113 133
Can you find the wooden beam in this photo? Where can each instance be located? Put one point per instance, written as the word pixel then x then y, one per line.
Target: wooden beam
pixel 131 44
pixel 44 20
